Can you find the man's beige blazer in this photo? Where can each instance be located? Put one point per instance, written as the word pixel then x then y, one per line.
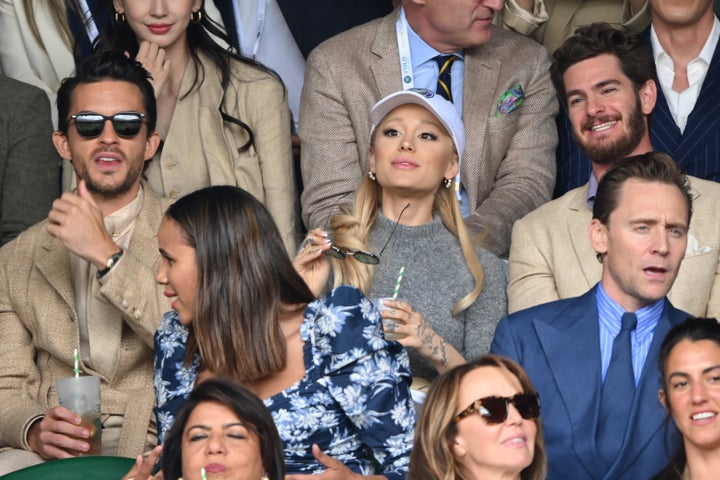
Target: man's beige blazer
pixel 39 328
pixel 551 256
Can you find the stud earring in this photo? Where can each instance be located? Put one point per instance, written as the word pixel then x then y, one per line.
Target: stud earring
pixel 447 182
pixel 372 176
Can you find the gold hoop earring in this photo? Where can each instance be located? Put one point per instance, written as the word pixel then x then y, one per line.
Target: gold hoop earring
pixel 196 17
pixel 119 18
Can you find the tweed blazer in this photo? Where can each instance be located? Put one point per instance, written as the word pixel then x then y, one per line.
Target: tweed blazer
pixel 29 164
pixel 40 328
pixel 565 16
pixel 551 256
pixel 201 149
pixel 508 167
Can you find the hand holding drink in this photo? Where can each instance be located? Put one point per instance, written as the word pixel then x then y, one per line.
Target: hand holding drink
pixel 81 395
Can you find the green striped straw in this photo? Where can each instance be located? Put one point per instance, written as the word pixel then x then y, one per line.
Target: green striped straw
pixel 397 283
pixel 77 363
pixel 203 475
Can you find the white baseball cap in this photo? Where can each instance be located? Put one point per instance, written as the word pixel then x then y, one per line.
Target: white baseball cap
pixel 443 110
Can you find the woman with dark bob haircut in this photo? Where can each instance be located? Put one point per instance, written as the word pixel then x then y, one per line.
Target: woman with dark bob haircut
pixel 690 380
pixel 480 421
pixel 242 312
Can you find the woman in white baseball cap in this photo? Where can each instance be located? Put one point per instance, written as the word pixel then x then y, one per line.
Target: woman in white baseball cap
pixel 406 217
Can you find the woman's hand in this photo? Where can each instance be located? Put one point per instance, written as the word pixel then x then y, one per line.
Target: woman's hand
pixel 153 60
pixel 334 469
pixel 142 470
pixel 418 334
pixel 310 262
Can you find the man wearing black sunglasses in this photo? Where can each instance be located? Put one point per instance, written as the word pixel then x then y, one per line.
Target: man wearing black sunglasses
pixel 594 359
pixel 84 278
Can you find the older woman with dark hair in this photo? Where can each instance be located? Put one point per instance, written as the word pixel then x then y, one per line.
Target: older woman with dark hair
pixel 480 421
pixel 241 311
pixel 690 375
pixel 222 428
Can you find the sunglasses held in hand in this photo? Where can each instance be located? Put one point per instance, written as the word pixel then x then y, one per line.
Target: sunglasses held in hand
pixel 91 124
pixel 359 255
pixel 495 409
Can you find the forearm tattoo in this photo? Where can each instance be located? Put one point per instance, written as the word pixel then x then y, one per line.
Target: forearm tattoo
pixel 425 334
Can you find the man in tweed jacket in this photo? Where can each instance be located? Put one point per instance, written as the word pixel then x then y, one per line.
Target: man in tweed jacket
pixel 84 279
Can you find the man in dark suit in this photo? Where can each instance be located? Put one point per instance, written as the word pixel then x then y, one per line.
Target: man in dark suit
pixel 593 358
pixel 686 120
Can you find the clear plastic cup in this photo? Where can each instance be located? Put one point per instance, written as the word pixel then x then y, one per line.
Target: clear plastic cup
pixel 389 325
pixel 81 395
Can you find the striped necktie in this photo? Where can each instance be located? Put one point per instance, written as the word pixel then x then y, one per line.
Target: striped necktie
pixel 617 394
pixel 444 83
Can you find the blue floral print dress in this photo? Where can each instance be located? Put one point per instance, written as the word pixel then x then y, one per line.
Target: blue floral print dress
pixel 354 400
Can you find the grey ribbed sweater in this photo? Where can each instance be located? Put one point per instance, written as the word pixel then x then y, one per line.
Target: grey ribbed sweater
pixel 436 277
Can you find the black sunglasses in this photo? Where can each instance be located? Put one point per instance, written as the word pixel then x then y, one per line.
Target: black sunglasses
pixel 362 257
pixel 91 124
pixel 495 409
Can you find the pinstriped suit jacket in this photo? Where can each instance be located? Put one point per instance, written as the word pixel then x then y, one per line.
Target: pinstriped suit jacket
pixel 697 150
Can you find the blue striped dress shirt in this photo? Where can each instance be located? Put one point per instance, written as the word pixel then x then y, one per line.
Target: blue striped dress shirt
pixel 610 314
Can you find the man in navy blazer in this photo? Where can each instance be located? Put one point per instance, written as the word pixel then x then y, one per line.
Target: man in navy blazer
pixel 639 230
pixel 686 119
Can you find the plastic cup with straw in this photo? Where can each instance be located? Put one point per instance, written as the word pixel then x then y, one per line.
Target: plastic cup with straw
pixel 81 395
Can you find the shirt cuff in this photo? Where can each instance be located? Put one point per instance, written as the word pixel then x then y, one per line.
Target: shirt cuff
pixel 522 21
pixel 26 430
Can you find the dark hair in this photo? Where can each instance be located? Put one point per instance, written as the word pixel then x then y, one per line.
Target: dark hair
pixel 432 457
pixel 589 41
pixel 691 330
pixel 649 167
pixel 246 406
pixel 119 37
pixel 100 67
pixel 245 282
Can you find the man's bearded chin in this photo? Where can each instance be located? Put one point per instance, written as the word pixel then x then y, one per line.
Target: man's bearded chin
pixel 609 153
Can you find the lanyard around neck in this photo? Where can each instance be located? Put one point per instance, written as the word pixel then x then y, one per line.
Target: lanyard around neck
pixel 406 71
pixel 261 9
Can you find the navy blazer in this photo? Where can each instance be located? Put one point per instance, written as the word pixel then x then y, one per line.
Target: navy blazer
pixel 697 150
pixel 558 344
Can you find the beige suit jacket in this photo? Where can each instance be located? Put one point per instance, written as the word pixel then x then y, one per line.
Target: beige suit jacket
pixel 40 329
pixel 201 149
pixel 508 168
pixel 551 256
pixel 565 16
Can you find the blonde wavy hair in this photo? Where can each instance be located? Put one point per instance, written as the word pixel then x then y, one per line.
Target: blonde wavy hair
pixel 58 13
pixel 351 230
